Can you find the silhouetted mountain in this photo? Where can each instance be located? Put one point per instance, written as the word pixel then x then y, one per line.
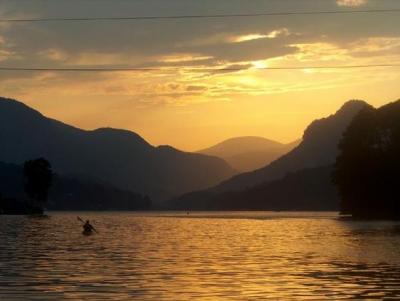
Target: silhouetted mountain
pixel 67 193
pixel 308 189
pixel 368 167
pixel 319 147
pixel 249 153
pixel 119 157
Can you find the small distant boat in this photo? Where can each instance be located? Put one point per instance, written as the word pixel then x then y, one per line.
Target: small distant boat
pixel 87 233
pixel 88 229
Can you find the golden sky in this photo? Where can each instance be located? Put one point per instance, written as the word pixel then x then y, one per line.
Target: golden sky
pixel 187 106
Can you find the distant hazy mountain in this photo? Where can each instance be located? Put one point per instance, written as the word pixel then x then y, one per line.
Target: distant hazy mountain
pixel 307 189
pixel 67 193
pixel 249 153
pixel 319 147
pixel 119 157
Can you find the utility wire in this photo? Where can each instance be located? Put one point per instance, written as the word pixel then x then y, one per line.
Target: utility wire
pixel 263 14
pixel 133 69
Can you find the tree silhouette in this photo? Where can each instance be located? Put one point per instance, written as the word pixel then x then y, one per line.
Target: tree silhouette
pixel 368 167
pixel 38 179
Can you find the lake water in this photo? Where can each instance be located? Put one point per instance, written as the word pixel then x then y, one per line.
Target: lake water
pixel 198 256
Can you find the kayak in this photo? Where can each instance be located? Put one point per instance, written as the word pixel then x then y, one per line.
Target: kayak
pixel 87 233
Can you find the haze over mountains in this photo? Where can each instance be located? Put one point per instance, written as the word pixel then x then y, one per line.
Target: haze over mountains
pixel 123 162
pixel 119 157
pixel 319 148
pixel 249 153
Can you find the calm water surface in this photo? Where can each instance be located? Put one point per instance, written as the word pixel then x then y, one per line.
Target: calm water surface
pixel 200 256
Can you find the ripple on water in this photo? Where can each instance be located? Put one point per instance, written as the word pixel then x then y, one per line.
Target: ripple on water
pixel 225 256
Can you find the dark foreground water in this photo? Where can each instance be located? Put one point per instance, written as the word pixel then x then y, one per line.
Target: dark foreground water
pixel 202 256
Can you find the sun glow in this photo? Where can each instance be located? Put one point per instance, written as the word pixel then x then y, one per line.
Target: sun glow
pixel 209 78
pixel 260 64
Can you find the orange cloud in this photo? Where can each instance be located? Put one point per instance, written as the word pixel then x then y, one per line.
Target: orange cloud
pixel 351 3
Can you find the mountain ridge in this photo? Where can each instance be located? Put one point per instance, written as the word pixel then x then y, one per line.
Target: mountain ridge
pixel 120 157
pixel 318 148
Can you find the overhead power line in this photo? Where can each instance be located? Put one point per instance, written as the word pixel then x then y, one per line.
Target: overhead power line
pixel 133 69
pixel 263 14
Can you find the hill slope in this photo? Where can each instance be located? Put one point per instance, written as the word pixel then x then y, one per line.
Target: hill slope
pixel 307 189
pixel 119 157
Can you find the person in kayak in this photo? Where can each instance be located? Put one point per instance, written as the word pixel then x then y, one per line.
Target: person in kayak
pixel 87 227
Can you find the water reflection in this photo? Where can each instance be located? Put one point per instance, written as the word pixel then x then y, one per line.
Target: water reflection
pixel 229 256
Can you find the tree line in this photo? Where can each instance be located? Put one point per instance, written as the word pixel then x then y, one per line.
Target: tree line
pixel 367 171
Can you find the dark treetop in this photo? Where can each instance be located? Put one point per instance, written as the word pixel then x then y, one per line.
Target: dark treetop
pixel 367 171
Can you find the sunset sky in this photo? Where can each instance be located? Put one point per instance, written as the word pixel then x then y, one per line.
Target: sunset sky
pixel 188 108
